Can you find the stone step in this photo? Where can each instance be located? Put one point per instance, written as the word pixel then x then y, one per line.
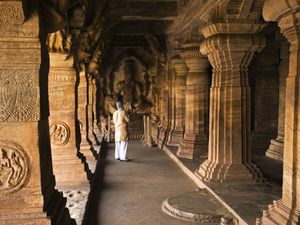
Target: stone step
pixel 199 207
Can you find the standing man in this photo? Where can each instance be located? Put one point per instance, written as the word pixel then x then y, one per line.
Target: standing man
pixel 120 120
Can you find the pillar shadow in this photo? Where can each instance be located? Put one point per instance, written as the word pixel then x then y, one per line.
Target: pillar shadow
pixel 91 216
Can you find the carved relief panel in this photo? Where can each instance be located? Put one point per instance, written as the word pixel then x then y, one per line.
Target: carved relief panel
pixel 14 167
pixel 19 96
pixel 59 133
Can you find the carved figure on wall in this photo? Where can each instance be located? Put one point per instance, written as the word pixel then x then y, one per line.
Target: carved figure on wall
pixel 131 91
pixel 59 133
pixel 13 166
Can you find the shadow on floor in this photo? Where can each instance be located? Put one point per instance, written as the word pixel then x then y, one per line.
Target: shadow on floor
pixel 91 216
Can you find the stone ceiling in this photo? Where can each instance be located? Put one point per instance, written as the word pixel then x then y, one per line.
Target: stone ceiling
pixel 128 21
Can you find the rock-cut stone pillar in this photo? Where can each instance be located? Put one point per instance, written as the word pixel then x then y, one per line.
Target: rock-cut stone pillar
pixel 90 121
pixel 96 129
pixel 68 169
pixel 82 100
pixel 287 209
pixel 194 144
pixel 26 177
pixel 275 150
pixel 229 149
pixel 178 90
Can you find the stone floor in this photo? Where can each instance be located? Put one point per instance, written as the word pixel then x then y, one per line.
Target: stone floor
pixel 246 201
pixel 131 193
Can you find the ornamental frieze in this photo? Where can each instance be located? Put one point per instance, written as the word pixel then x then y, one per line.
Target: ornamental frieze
pixel 14 167
pixel 22 56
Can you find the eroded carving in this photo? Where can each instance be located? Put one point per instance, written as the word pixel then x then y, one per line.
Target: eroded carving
pixel 19 95
pixel 59 133
pixel 14 167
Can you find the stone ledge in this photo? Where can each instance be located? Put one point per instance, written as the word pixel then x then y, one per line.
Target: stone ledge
pixel 245 202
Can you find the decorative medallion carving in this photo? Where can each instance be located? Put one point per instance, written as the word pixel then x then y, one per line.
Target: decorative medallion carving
pixel 11 13
pixel 14 167
pixel 59 133
pixel 19 95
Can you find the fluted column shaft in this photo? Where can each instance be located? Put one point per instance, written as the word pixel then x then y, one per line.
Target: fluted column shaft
pixel 195 140
pixel 287 209
pixel 229 153
pixel 180 68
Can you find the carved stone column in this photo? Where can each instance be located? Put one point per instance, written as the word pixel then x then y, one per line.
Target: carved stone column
pixel 275 150
pixel 89 126
pixel 287 209
pixel 96 130
pixel 84 146
pixel 68 169
pixel 26 177
pixel 177 129
pixel 164 107
pixel 229 150
pixel 195 140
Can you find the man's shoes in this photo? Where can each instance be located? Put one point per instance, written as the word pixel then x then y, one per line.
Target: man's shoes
pixel 124 160
pixel 117 158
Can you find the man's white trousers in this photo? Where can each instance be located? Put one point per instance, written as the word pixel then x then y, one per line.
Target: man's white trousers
pixel 121 150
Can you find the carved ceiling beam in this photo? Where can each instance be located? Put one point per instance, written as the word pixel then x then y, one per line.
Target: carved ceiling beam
pixel 202 13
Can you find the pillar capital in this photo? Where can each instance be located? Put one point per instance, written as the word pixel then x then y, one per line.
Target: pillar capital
pixel 179 66
pixel 233 27
pixel 194 59
pixel 232 43
pixel 274 10
pixel 290 27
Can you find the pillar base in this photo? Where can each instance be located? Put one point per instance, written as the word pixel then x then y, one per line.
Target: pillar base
pixel 175 137
pixel 221 172
pixel 33 213
pixel 275 150
pixel 67 168
pixel 192 149
pixel 69 174
pixel 278 213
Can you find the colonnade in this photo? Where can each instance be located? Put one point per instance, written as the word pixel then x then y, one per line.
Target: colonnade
pixel 48 123
pixel 226 142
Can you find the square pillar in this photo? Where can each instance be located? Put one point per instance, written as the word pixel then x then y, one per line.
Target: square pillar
pixel 82 115
pixel 26 177
pixel 67 167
